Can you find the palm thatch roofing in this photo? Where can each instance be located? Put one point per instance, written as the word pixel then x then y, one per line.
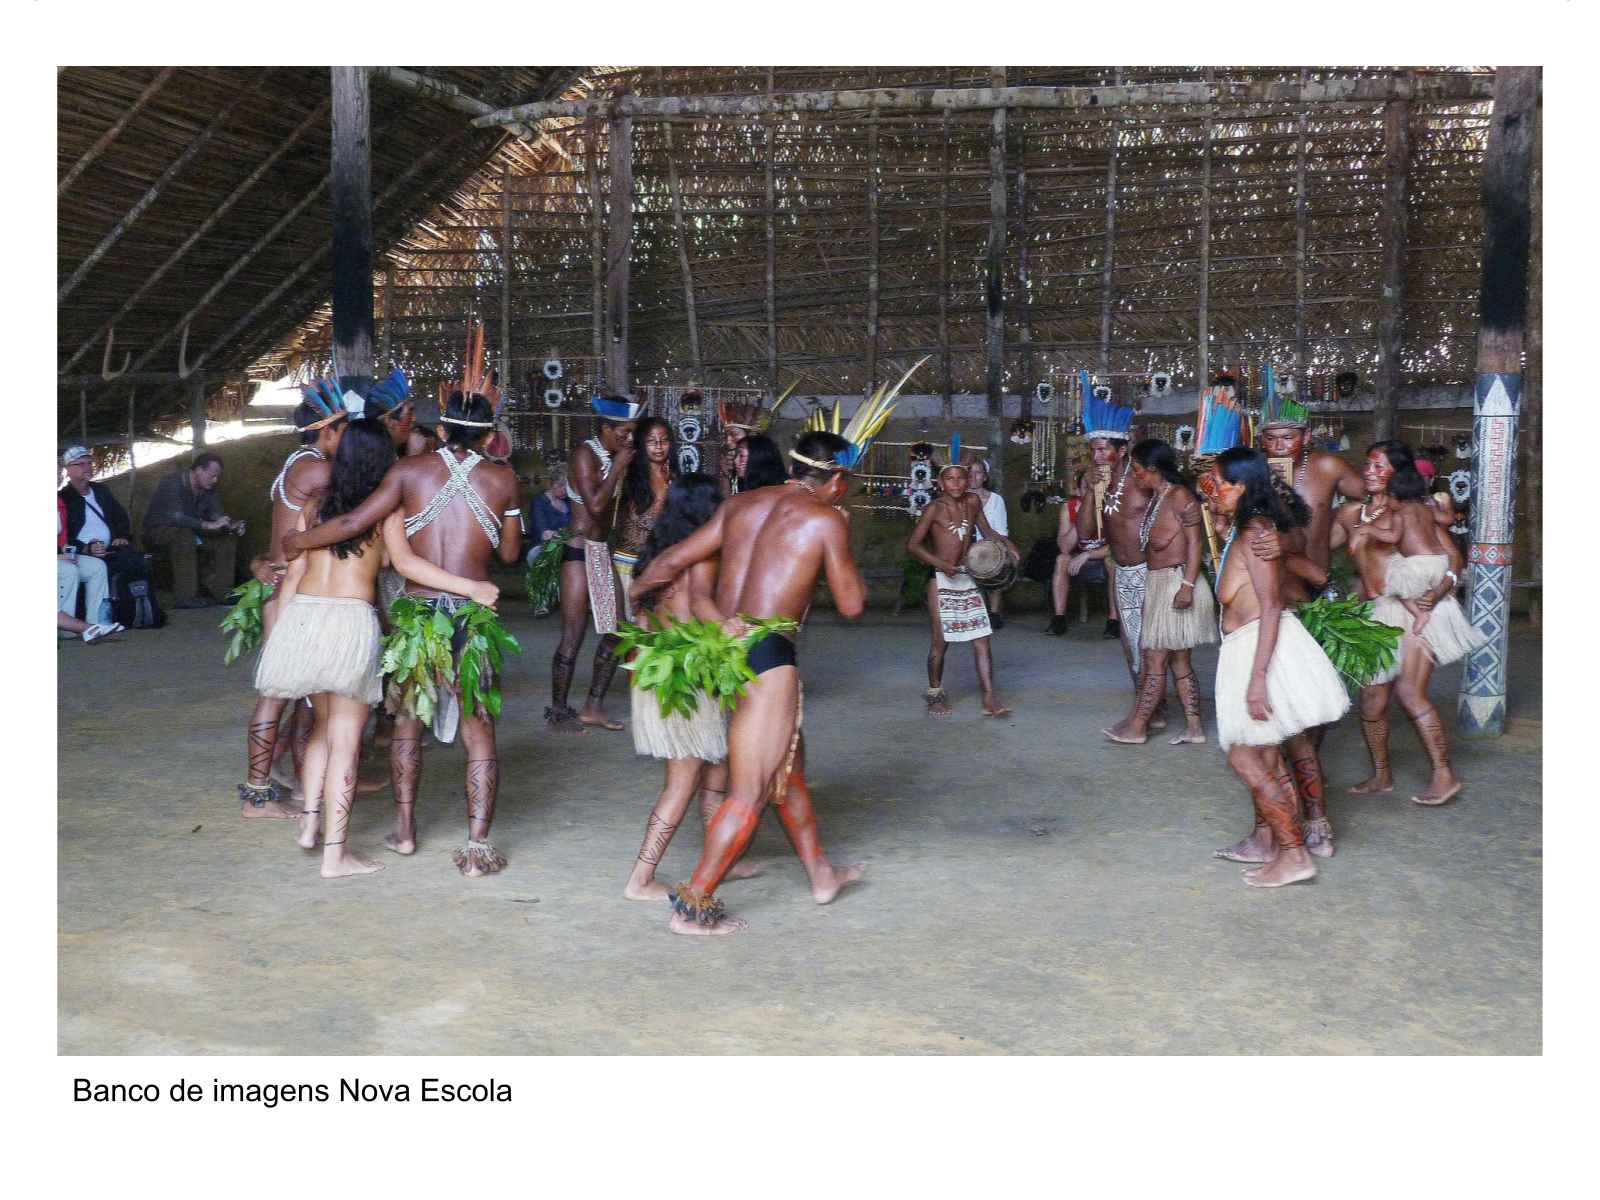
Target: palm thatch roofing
pixel 812 243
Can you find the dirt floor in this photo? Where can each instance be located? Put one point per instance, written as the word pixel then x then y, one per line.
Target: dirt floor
pixel 1032 888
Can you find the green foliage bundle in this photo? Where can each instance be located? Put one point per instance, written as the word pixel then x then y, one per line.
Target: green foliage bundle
pixel 1358 646
pixel 419 661
pixel 244 620
pixel 683 657
pixel 544 571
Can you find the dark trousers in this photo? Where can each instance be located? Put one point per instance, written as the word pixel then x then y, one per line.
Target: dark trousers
pixel 219 548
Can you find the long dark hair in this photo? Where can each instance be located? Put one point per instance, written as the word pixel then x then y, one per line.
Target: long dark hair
pixel 1247 465
pixel 690 502
pixel 1407 483
pixel 366 451
pixel 763 464
pixel 1155 455
pixel 637 493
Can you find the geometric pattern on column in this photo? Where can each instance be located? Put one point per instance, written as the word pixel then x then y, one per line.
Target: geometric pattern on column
pixel 1482 708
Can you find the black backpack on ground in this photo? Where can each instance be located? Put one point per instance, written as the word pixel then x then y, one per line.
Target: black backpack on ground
pixel 1040 561
pixel 133 603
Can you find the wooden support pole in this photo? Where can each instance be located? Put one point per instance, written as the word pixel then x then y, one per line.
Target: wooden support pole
pixel 619 251
pixel 597 253
pixel 508 380
pixel 83 415
pixel 350 191
pixel 994 287
pixel 197 410
pixel 386 354
pixel 1203 331
pixel 1507 171
pixel 944 262
pixel 133 467
pixel 1392 235
pixel 683 256
pixel 772 253
pixel 117 126
pixel 872 248
pixel 1108 257
pixel 1301 361
pixel 1024 305
pixel 1532 432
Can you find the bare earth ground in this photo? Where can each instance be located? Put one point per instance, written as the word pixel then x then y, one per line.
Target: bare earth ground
pixel 1032 888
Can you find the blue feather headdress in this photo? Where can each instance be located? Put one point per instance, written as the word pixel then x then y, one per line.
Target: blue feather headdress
pixel 332 401
pixel 1103 418
pixel 613 409
pixel 389 395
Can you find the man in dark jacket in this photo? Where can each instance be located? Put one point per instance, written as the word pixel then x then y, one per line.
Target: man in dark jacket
pixel 98 527
pixel 185 516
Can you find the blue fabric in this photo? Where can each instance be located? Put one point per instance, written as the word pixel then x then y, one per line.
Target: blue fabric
pixel 543 515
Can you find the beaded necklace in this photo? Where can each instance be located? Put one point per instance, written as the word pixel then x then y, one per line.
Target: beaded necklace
pixel 1114 500
pixel 1149 521
pixel 1382 508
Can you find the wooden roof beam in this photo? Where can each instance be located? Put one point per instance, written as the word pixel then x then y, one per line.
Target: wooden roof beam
pixel 1369 89
pixel 451 96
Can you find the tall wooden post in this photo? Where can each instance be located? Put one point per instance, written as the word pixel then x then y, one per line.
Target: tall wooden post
pixel 350 190
pixel 1532 432
pixel 597 254
pixel 508 379
pixel 1108 257
pixel 944 259
pixel 83 415
pixel 1024 307
pixel 683 252
pixel 1301 363
pixel 1392 234
pixel 1202 327
pixel 197 409
pixel 386 348
pixel 994 286
pixel 133 466
pixel 872 245
pixel 772 254
pixel 1503 312
pixel 619 250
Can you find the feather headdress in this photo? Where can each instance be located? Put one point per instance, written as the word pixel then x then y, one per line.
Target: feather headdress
pixel 862 427
pixel 1280 410
pixel 389 395
pixel 476 380
pixel 1103 418
pixel 752 416
pixel 332 401
pixel 1221 422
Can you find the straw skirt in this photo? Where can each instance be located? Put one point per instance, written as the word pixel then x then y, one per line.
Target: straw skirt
pixel 323 644
pixel 1447 637
pixel 703 736
pixel 1168 628
pixel 1303 688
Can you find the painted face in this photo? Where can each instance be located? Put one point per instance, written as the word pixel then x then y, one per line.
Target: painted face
pixel 657 444
pixel 1219 495
pixel 732 435
pixel 741 458
pixel 1144 476
pixel 617 433
pixel 1377 473
pixel 1106 453
pixel 1282 441
pixel 953 481
pixel 400 420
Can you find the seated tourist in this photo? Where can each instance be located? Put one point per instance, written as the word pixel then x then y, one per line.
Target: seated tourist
pixel 67 577
pixel 185 516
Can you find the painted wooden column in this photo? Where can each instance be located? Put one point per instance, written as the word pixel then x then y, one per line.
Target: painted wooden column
pixel 619 251
pixel 1532 431
pixel 1392 235
pixel 350 190
pixel 1503 311
pixel 994 288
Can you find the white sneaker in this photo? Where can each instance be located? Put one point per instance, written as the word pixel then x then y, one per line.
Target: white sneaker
pixel 95 632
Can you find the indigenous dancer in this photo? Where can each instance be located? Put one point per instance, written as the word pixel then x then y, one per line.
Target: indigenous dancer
pixel 1314 475
pixel 1110 517
pixel 773 543
pixel 644 487
pixel 320 421
pixel 1409 568
pixel 741 421
pixel 759 463
pixel 956 608
pixel 695 749
pixel 327 644
pixel 1273 680
pixel 1179 612
pixel 588 576
pixel 456 508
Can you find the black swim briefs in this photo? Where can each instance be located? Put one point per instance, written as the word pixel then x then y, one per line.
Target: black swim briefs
pixel 774 650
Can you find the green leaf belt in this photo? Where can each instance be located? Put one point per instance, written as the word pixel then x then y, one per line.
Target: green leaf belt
pixel 681 659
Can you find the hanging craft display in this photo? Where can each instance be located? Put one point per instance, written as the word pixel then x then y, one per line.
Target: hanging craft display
pixel 1044 392
pixel 1183 439
pixel 1345 384
pixel 691 402
pixel 1161 383
pixel 1022 433
pixel 1463 445
pixel 688 429
pixel 688 458
pixel 921 478
pixel 554 397
pixel 552 368
pixel 1460 486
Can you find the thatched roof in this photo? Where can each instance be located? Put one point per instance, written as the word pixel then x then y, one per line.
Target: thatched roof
pixel 442 230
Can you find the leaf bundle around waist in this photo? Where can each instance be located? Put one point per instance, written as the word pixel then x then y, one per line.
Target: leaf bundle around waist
pixel 684 657
pixel 544 571
pixel 419 660
pixel 244 620
pixel 1356 645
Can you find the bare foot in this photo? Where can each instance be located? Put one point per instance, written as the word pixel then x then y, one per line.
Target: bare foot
pixel 938 703
pixel 1127 731
pixel 993 708
pixel 1158 719
pixel 745 869
pixel 274 810
pixel 400 845
pixel 1441 788
pixel 563 720
pixel 827 879
pixel 1292 866
pixel 1257 848
pixel 337 863
pixel 651 889
pixel 595 714
pixel 1319 837
pixel 1189 737
pixel 310 829
pixel 1381 781
pixel 725 924
pixel 366 787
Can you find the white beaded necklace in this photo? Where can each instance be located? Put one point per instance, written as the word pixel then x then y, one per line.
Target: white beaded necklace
pixel 1149 521
pixel 1114 501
